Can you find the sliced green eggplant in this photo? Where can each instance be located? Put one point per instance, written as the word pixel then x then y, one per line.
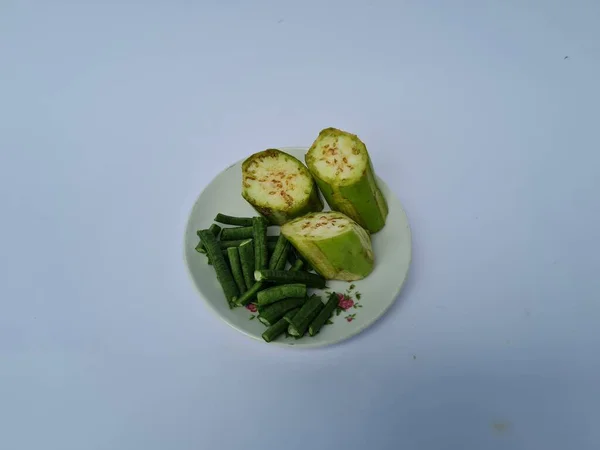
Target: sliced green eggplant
pixel 340 164
pixel 279 186
pixel 334 245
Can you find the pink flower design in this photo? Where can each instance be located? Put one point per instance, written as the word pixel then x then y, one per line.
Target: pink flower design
pixel 345 302
pixel 349 319
pixel 251 307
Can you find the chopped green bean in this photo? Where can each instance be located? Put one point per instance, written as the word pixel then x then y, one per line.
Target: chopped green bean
pixel 234 234
pixel 231 220
pixel 246 250
pixel 224 275
pixel 236 268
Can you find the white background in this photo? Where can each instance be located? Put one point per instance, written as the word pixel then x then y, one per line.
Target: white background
pixel 114 116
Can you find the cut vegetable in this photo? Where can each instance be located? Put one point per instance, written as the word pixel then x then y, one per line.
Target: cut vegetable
pixel 276 293
pixel 279 254
pixel 276 330
pixel 224 251
pixel 334 245
pixel 279 186
pixel 238 233
pixel 231 220
pixel 236 268
pixel 272 313
pixel 261 253
pixel 283 259
pixel 250 294
pixel 290 315
pixel 340 164
pixel 286 276
pixel 224 275
pixel 276 253
pixel 215 230
pixel 324 315
pixel 305 316
pixel 246 250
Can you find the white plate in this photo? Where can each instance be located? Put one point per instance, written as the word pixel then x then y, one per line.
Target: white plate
pixel 371 297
